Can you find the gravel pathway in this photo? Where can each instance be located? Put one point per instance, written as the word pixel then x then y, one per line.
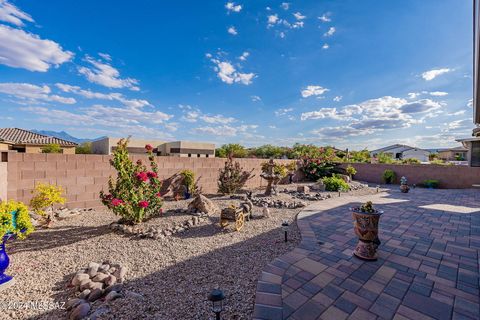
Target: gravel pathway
pixel 174 275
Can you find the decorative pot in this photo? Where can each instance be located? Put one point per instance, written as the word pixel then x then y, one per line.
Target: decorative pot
pixel 366 228
pixel 404 188
pixel 187 195
pixel 4 261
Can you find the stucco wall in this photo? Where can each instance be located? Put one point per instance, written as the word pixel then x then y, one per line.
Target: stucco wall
pixel 449 176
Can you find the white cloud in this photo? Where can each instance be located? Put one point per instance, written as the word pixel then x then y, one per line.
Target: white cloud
pixel 313 91
pixel 325 46
pixel 457 113
pixel 20 49
pixel 32 93
pixel 191 114
pixel 11 14
pixel 432 74
pixel 230 75
pixel 380 114
pixel 232 7
pixel 282 112
pixel 217 119
pixel 255 98
pixel 104 74
pixel 135 103
pixel 470 103
pixel 285 5
pixel 228 131
pixel 338 98
pixel 272 19
pixel 118 120
pixel 413 95
pixel 299 16
pixel 325 17
pixel 438 93
pixel 105 56
pixel 244 56
pixel 232 31
pixel 330 32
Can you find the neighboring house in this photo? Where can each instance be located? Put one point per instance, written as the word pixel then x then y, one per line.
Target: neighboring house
pixel 401 151
pixel 453 154
pixel 107 145
pixel 26 141
pixel 473 145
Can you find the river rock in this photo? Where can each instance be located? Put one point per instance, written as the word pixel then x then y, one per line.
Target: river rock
pixel 110 280
pixel 78 278
pixel 118 287
pixel 100 277
pixel 72 303
pixel 93 269
pixel 95 295
pixel 203 204
pixel 85 284
pixel 112 295
pixel 80 312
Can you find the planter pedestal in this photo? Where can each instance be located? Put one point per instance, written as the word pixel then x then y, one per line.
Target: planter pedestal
pixel 366 228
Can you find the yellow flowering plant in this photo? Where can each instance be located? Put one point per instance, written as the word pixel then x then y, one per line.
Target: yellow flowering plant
pixel 14 219
pixel 44 196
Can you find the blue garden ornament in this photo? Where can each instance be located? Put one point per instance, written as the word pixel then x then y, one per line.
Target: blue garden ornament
pixel 4 259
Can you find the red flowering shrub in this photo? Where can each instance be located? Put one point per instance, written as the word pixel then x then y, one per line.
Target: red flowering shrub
pixel 322 166
pixel 134 194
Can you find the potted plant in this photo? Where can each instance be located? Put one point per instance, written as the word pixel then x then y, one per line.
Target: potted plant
pixel 403 185
pixel 366 219
pixel 189 182
pixel 14 222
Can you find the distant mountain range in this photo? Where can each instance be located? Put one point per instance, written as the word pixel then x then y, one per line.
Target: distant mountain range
pixel 63 135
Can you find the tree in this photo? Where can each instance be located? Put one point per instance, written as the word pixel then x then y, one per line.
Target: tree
pixel 359 156
pixel 269 151
pixel 231 150
pixel 52 148
pixel 84 148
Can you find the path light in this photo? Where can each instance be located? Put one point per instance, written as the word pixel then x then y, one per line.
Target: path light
pixel 217 297
pixel 414 186
pixel 285 229
pixel 378 187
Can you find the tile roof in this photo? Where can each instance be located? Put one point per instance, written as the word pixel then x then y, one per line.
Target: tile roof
pixel 21 136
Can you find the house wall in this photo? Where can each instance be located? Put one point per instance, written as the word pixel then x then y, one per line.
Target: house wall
pixel 4 146
pixel 454 177
pixel 418 154
pixel 83 176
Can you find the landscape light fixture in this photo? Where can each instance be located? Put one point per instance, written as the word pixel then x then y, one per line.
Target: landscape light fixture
pixel 378 187
pixel 217 297
pixel 285 229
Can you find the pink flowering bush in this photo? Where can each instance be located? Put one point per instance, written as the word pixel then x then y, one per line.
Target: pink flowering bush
pixel 135 192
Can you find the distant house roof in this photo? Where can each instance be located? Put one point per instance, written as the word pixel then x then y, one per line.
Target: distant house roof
pixel 393 146
pixel 21 136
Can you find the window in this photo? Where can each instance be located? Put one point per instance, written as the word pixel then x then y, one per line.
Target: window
pixel 206 155
pixel 198 155
pixel 189 155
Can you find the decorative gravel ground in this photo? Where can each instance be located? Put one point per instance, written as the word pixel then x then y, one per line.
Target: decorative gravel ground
pixel 174 275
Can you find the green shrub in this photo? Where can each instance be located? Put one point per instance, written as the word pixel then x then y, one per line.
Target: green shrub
pixel 385 158
pixel 19 223
pixel 335 184
pixel 232 177
pixel 84 148
pixel 430 183
pixel 411 161
pixel 389 176
pixel 188 179
pixel 52 148
pixel 44 196
pixel 135 193
pixel 351 171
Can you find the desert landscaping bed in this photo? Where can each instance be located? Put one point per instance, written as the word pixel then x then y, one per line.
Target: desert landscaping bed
pixel 167 278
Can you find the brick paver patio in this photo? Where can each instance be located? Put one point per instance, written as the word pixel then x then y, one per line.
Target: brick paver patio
pixel 428 266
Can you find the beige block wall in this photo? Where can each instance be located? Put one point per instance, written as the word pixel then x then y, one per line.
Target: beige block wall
pixel 4 146
pixel 83 176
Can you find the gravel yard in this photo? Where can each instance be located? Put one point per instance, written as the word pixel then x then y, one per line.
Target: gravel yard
pixel 174 275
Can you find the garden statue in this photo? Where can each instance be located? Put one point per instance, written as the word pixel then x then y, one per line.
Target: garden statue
pixel 16 223
pixel 365 224
pixel 403 185
pixel 265 211
pixel 269 173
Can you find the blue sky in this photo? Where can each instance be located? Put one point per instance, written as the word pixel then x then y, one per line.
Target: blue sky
pixel 357 74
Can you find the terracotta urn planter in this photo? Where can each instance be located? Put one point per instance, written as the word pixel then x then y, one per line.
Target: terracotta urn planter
pixel 365 223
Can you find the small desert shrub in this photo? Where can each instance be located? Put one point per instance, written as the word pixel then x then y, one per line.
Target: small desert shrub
pixel 411 161
pixel 232 177
pixel 430 183
pixel 84 148
pixel 188 179
pixel 135 193
pixel 14 219
pixel 389 176
pixel 335 184
pixel 44 196
pixel 279 169
pixel 351 171
pixel 52 148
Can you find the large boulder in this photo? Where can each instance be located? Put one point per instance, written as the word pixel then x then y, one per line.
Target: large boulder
pixel 203 204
